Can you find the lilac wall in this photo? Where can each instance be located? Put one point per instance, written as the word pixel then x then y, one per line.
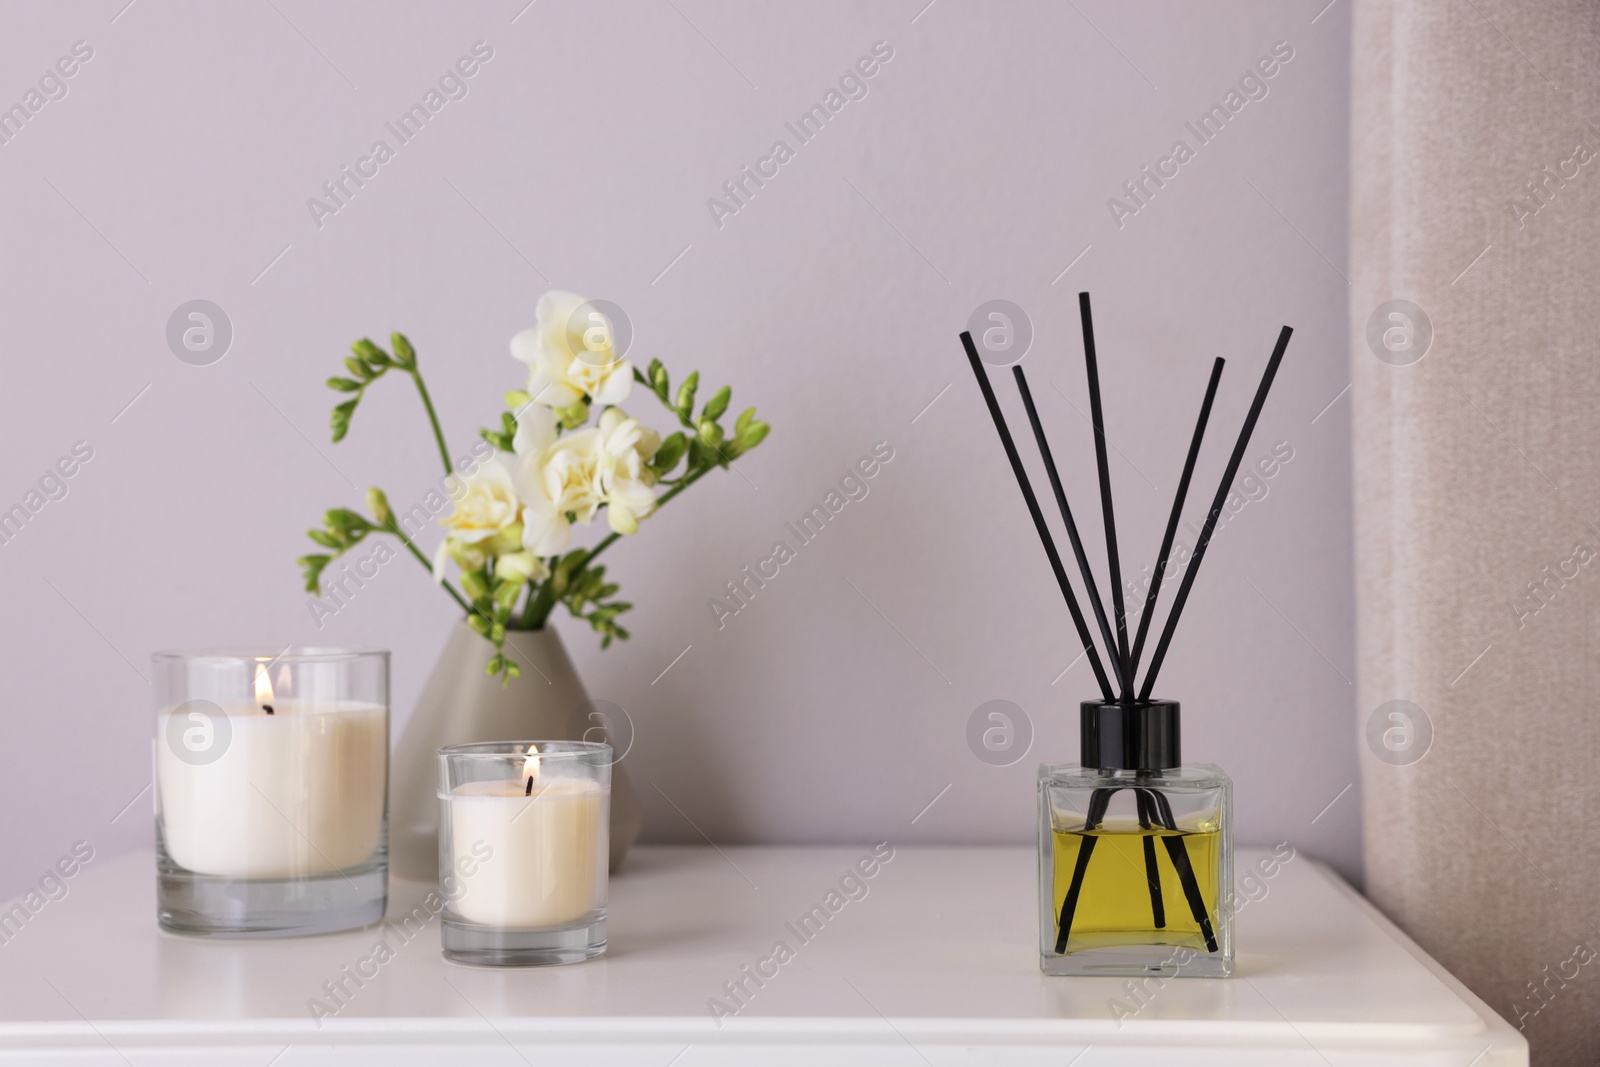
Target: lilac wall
pixel 978 165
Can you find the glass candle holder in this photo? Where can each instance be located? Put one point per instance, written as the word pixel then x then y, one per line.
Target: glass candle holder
pixel 1135 853
pixel 271 785
pixel 524 850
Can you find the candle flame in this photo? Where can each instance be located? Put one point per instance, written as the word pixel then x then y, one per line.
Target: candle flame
pixel 530 766
pixel 264 693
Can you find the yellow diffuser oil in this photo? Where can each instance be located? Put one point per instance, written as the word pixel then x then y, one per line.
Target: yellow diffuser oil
pixel 1132 895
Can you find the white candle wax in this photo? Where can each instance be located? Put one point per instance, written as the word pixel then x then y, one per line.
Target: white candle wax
pixel 546 853
pixel 295 793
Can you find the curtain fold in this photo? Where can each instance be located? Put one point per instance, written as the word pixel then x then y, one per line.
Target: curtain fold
pixel 1475 192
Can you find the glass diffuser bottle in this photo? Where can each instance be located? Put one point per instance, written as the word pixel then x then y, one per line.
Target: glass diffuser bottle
pixel 1135 849
pixel 1135 852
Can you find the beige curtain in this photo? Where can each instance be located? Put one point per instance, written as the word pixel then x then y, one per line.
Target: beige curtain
pixel 1474 197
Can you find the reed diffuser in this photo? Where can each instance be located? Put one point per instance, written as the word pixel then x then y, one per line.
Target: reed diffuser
pixel 1135 847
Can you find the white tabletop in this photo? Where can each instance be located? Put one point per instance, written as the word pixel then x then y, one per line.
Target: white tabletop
pixel 937 964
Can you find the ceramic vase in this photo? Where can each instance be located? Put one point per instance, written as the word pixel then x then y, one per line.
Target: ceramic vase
pixel 461 703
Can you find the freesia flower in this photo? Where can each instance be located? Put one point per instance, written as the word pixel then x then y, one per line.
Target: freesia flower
pixel 571 474
pixel 627 483
pixel 487 508
pixel 488 503
pixel 565 479
pixel 545 531
pixel 570 354
pixel 559 479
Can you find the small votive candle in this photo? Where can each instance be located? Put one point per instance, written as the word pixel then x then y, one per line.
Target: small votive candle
pixel 271 790
pixel 524 850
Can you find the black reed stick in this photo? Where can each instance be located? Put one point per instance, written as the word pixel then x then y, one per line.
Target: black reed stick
pixel 1178 853
pixel 1095 415
pixel 1124 682
pixel 1038 516
pixel 1152 874
pixel 1172 520
pixel 1216 510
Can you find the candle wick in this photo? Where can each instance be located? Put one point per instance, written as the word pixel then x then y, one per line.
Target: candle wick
pixel 267 708
pixel 528 792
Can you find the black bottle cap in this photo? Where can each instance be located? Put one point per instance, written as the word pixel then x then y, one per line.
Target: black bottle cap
pixel 1141 735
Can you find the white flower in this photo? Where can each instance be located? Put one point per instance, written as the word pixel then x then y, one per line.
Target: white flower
pixel 626 446
pixel 536 431
pixel 488 505
pixel 570 355
pixel 565 479
pixel 571 474
pixel 545 531
pixel 557 477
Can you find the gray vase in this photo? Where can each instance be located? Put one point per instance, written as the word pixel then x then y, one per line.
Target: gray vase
pixel 461 703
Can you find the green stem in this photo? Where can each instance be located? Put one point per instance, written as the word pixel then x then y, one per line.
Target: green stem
pixel 660 503
pixel 427 565
pixel 608 541
pixel 541 601
pixel 668 404
pixel 438 434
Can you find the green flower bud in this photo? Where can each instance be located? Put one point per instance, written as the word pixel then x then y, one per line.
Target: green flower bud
pixel 710 433
pixel 503 543
pixel 516 567
pixel 671 451
pixel 685 402
pixel 752 435
pixel 312 567
pixel 343 521
pixel 378 504
pixel 404 354
pixel 475 584
pixel 574 416
pixel 718 403
pixel 340 420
